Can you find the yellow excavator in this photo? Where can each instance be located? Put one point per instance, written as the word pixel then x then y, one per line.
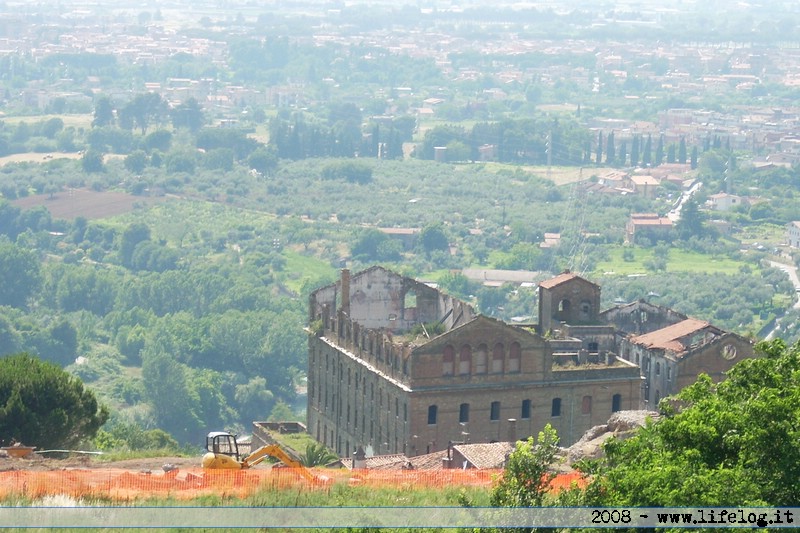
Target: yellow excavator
pixel 223 453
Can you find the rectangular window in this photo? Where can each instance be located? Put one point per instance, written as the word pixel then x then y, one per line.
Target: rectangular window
pixel 432 415
pixel 616 403
pixel 463 413
pixel 494 414
pixel 525 412
pixel 586 405
pixel 556 407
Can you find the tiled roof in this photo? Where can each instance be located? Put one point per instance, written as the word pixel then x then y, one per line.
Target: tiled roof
pixel 558 280
pixel 381 462
pixel 563 278
pixel 668 338
pixel 485 455
pixel 429 461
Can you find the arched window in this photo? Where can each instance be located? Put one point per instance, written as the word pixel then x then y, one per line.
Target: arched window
pixel 498 354
pixel 448 361
pixel 465 361
pixel 563 306
pixel 514 357
pixel 481 357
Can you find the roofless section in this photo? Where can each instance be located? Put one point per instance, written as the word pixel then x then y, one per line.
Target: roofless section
pixel 379 299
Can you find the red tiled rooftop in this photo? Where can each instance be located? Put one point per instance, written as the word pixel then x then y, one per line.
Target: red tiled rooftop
pixel 558 280
pixel 668 337
pixel 485 455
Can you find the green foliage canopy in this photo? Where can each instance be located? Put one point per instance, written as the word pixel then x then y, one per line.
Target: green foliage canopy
pixel 733 443
pixel 527 475
pixel 44 406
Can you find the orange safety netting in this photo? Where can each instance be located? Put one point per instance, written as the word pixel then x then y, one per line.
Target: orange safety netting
pixel 122 485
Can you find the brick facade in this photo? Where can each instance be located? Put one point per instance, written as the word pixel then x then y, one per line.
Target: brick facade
pixel 396 366
pixel 395 387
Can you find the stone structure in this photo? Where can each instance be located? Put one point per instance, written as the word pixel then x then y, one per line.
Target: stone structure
pixel 793 234
pixel 671 358
pixel 396 366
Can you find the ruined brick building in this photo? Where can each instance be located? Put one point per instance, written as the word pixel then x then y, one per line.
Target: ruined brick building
pixel 672 349
pixel 397 366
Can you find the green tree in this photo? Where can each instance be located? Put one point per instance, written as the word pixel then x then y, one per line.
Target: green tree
pixel 659 158
pixel 367 244
pixel 732 443
pixel 92 161
pixel 611 150
pixel 188 115
pixel 103 112
pixel 254 400
pixel 136 162
pixel 528 472
pixel 433 238
pixel 691 220
pixel 20 274
pixel 263 160
pixel 144 110
pixel 131 237
pixel 682 151
pixel 172 398
pixel 44 406
pixel 160 140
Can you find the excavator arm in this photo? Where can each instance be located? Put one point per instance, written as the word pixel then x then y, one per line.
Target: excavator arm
pixel 273 450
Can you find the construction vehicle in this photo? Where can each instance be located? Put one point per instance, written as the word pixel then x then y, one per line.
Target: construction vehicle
pixel 223 453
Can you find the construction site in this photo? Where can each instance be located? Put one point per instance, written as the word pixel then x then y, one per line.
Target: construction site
pixel 230 471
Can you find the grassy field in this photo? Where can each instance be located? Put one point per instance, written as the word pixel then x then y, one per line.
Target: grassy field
pixel 302 268
pixel 558 175
pixel 75 121
pixel 678 261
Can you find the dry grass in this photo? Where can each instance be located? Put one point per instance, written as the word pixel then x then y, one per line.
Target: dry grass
pixel 76 121
pixel 32 157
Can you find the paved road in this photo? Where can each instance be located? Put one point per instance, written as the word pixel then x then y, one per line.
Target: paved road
pixel 791 271
pixel 675 214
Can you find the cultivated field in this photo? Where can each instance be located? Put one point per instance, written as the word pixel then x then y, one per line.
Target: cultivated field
pixel 87 203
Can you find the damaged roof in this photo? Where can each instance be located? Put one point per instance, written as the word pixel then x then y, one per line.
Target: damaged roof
pixel 668 338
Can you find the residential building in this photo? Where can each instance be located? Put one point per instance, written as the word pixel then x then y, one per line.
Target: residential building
pixel 648 225
pixel 724 201
pixel 793 234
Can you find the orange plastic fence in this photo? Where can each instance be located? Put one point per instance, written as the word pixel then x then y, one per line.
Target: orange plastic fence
pixel 122 485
